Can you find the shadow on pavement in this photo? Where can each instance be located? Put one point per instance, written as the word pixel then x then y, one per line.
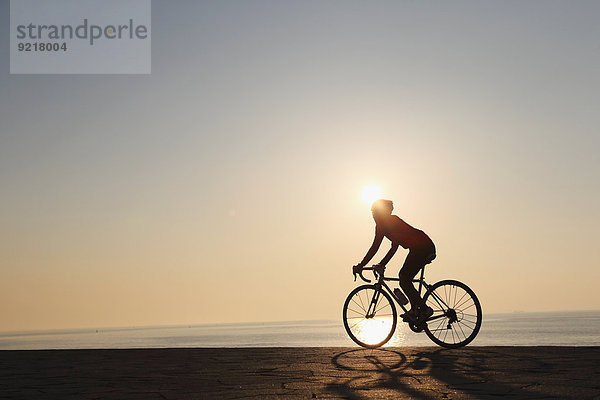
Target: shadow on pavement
pixel 427 374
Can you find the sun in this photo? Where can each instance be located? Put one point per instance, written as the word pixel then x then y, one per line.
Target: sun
pixel 374 330
pixel 370 193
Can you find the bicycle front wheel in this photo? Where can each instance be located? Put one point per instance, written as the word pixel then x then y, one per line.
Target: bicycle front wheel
pixel 456 314
pixel 369 316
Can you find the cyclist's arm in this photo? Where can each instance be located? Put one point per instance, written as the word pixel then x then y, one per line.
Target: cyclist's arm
pixel 373 249
pixel 389 254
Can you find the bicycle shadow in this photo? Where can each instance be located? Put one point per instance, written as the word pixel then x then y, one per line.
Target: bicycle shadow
pixel 428 374
pixel 388 366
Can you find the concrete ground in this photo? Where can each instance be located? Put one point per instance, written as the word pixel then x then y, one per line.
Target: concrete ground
pixel 286 373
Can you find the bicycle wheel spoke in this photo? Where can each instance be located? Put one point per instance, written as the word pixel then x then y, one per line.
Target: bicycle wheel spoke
pixel 466 308
pixel 438 330
pixel 361 302
pixel 354 301
pixel 445 294
pixel 466 327
pixel 442 323
pixel 463 332
pixel 357 323
pixel 471 318
pixel 382 307
pixel 466 333
pixel 438 299
pixel 470 322
pixel 367 300
pixel 431 304
pixel 434 305
pixel 462 297
pixel 377 311
pixel 464 302
pixel 455 293
pixel 357 312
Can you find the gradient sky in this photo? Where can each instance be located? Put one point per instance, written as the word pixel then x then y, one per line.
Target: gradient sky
pixel 226 186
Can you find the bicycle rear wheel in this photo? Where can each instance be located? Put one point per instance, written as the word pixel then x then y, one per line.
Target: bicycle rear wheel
pixel 457 314
pixel 369 316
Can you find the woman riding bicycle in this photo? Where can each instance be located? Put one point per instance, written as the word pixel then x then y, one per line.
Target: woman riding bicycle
pixel 420 246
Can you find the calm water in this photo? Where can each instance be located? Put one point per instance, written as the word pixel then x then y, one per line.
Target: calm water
pixel 515 329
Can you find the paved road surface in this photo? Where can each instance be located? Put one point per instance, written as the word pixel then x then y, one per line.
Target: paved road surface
pixel 288 373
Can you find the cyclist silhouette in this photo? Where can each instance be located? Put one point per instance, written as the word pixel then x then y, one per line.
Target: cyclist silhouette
pixel 420 246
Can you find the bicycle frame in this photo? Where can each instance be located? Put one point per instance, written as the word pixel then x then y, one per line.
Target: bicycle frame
pixel 381 282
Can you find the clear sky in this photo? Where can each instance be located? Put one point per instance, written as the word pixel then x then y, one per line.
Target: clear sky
pixel 226 186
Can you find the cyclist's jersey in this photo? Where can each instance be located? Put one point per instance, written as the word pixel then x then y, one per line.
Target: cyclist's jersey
pixel 399 232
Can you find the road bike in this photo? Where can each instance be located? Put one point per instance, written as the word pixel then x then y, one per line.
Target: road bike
pixel 370 315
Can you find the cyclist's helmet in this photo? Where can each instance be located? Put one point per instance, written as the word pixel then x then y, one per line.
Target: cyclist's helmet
pixel 382 206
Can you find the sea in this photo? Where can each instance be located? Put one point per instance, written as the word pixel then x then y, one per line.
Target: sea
pixel 581 328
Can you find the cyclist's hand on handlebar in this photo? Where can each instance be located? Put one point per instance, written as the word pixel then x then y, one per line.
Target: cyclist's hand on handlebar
pixel 378 269
pixel 357 269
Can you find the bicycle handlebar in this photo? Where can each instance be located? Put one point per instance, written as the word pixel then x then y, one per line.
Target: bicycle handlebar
pixel 358 270
pixel 377 270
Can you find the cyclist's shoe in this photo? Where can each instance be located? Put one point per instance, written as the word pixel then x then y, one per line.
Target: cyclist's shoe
pixel 409 316
pixel 424 313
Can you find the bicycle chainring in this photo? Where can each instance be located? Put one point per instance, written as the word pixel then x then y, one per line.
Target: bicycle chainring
pixel 416 328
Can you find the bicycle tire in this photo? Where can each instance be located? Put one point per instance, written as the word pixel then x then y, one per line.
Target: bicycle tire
pixel 369 332
pixel 459 298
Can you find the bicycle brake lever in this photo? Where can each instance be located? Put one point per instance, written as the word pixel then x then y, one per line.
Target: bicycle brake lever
pixel 378 270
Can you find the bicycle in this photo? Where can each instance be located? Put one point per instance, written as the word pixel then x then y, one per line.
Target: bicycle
pixel 370 316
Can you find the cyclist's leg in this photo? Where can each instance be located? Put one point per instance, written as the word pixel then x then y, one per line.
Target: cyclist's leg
pixel 413 263
pixel 415 260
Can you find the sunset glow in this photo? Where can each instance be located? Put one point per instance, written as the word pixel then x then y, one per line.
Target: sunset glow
pixel 249 158
pixel 374 330
pixel 370 193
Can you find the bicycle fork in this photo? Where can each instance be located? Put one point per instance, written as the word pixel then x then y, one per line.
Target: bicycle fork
pixel 373 305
